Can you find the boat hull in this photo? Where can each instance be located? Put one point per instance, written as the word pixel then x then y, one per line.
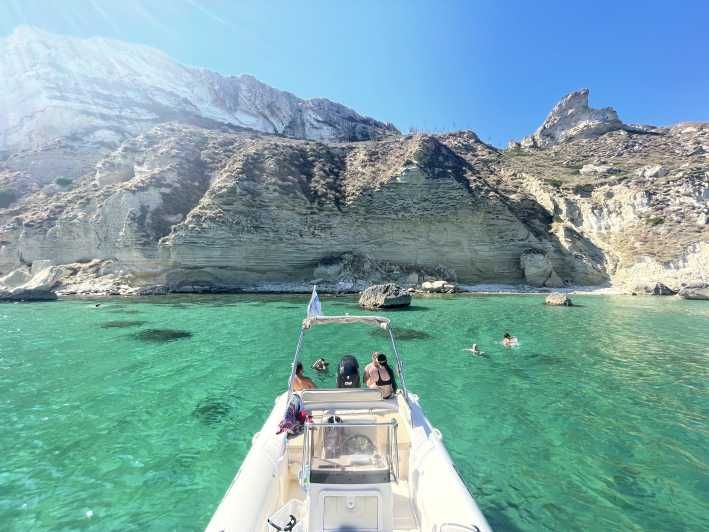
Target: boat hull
pixel 435 494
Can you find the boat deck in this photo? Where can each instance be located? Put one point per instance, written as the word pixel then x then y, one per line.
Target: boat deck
pixel 404 515
pixel 384 411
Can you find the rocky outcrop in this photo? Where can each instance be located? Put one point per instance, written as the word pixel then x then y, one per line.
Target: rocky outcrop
pixel 642 223
pixel 572 118
pixel 655 170
pixel 592 169
pixel 662 290
pixel 384 296
pixel 558 299
pixel 35 283
pixel 696 291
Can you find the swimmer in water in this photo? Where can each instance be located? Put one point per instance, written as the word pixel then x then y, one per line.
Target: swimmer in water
pixel 509 341
pixel 475 350
pixel 320 365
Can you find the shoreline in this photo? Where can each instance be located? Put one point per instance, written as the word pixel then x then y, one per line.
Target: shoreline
pixel 299 289
pixel 98 291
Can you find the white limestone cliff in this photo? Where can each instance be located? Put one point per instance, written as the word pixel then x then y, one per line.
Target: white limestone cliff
pixel 105 91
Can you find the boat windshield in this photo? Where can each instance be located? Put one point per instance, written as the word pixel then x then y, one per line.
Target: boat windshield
pixel 350 453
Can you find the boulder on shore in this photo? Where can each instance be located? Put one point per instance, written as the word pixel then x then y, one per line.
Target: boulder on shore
pixel 438 287
pixel 662 290
pixel 34 284
pixel 696 291
pixel 384 296
pixel 558 299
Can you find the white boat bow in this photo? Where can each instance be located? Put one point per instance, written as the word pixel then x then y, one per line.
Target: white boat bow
pixel 362 463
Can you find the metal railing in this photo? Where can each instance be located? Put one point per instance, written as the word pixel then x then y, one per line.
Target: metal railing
pixel 399 364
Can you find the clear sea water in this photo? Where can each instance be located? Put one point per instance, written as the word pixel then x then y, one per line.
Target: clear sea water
pixel 597 421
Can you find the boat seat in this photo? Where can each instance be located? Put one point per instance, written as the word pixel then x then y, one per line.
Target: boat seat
pixel 342 394
pixel 349 399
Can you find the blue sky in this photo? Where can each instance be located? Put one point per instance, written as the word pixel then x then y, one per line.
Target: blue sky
pixel 496 67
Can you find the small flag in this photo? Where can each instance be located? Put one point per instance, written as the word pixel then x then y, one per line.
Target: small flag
pixel 314 308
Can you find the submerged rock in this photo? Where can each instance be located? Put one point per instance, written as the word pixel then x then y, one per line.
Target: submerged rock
pixel 384 296
pixel 558 299
pixel 122 324
pixel 162 335
pixel 211 410
pixel 403 334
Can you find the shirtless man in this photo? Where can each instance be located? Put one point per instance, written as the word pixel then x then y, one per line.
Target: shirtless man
pixel 300 381
pixel 378 374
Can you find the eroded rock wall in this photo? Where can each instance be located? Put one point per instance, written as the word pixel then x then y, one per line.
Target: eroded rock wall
pixel 187 208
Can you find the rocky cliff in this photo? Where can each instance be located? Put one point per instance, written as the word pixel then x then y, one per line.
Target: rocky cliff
pixel 206 200
pixel 65 98
pixel 634 199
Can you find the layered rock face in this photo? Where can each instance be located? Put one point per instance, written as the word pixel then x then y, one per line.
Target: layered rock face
pixel 198 209
pixel 195 203
pixel 643 215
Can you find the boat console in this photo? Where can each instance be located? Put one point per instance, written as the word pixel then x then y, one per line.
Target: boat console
pixel 347 470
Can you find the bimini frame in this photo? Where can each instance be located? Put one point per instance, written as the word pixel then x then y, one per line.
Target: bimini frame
pixel 375 321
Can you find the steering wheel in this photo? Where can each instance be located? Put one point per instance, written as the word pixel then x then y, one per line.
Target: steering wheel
pixel 358 444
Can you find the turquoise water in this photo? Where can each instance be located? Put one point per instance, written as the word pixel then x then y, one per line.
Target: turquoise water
pixel 598 421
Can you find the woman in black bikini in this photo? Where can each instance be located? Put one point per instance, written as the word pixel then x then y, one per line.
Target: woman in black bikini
pixel 378 374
